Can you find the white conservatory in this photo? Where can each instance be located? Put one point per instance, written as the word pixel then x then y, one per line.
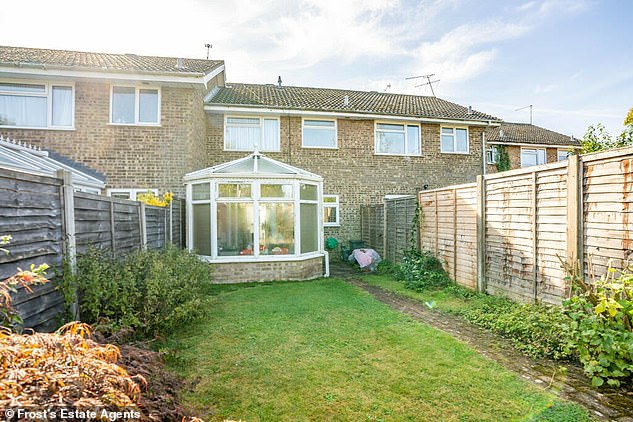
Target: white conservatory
pixel 256 219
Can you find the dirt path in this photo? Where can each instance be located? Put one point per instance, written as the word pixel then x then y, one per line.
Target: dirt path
pixel 573 385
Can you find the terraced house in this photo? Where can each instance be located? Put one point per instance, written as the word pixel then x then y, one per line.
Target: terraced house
pixel 158 122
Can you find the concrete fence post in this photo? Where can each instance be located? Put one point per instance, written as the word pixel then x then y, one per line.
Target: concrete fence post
pixel 481 234
pixel 69 232
pixel 575 213
pixel 143 225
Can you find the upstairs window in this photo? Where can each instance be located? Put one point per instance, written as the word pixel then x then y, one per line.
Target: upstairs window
pixel 40 106
pixel 398 139
pixel 135 106
pixel 454 140
pixel 319 133
pixel 492 155
pixel 251 133
pixel 532 157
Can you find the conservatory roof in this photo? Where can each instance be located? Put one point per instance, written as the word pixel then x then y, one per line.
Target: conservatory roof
pixel 254 165
pixel 20 156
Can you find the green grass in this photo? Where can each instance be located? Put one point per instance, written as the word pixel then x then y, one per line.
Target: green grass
pixel 325 350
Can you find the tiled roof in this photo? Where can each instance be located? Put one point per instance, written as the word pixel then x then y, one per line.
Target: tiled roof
pixel 525 133
pixel 19 56
pixel 333 100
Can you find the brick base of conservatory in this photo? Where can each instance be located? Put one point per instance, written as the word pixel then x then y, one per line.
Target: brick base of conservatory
pixel 245 272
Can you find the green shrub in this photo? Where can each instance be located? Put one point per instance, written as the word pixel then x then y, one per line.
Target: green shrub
pixel 600 332
pixel 386 267
pixel 152 292
pixel 421 270
pixel 535 330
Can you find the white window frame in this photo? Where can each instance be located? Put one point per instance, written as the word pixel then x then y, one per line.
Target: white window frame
pixel 406 140
pixel 534 149
pixel 454 135
pixel 336 205
pixel 137 104
pixel 303 125
pixel 48 94
pixel 132 191
pixel 261 131
pixel 492 155
pixel 567 153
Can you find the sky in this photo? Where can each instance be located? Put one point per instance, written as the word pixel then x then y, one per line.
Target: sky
pixel 572 60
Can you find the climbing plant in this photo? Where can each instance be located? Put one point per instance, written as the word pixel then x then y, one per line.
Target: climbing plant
pixel 503 159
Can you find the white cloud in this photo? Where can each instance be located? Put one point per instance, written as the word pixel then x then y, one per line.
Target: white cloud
pixel 544 89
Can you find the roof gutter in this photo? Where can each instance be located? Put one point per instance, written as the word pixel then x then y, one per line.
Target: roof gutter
pixel 525 144
pixel 277 111
pixel 169 77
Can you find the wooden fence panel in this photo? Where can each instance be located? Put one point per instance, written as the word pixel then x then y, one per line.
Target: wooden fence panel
pixel 372 227
pixel 31 211
pixel 399 216
pixel 157 227
pixel 177 223
pixel 92 222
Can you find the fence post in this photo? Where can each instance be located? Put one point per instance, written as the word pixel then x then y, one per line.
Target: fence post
pixel 70 239
pixel 455 235
pixel 437 227
pixel 481 234
pixel 384 229
pixel 575 211
pixel 112 230
pixel 171 222
pixel 534 238
pixel 143 225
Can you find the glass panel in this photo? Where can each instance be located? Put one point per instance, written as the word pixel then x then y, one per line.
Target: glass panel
pixel 234 190
pixel 462 140
pixel 62 106
pixel 26 88
pixel 242 138
pixel 202 229
pixel 447 130
pixel 329 199
pixel 330 215
pixel 276 191
pixel 413 140
pixel 243 121
pixel 319 123
pixel 447 143
pixel 528 157
pixel 245 166
pixel 319 138
pixel 123 104
pixel 201 192
pixel 148 106
pixel 308 193
pixel 265 166
pixel 276 229
pixel 122 195
pixel 390 142
pixel 562 155
pixel 235 229
pixel 271 135
pixel 540 153
pixel 23 111
pixel 384 126
pixel 309 228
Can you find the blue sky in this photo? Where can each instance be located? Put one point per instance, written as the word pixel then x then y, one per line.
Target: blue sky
pixel 571 59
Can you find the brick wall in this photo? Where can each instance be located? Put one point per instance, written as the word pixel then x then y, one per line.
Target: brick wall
pixel 236 272
pixel 131 156
pixel 353 171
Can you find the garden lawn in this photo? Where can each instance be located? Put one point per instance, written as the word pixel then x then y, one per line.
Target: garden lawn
pixel 324 350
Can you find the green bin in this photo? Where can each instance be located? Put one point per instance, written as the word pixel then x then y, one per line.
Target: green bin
pixel 356 244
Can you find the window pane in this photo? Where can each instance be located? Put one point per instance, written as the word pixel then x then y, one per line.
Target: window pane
pixel 413 140
pixel 62 106
pixel 330 215
pixel 234 190
pixel 271 135
pixel 562 155
pixel 148 106
pixel 329 198
pixel 243 121
pixel 202 229
pixel 528 157
pixel 23 111
pixel 447 130
pixel 276 229
pixel 309 228
pixel 384 126
pixel 540 154
pixel 122 195
pixel 235 229
pixel 461 140
pixel 390 142
pixel 242 138
pixel 447 143
pixel 319 137
pixel 26 88
pixel 318 123
pixel 276 191
pixel 308 192
pixel 123 104
pixel 201 192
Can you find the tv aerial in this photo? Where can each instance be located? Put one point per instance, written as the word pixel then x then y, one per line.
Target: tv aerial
pixel 428 82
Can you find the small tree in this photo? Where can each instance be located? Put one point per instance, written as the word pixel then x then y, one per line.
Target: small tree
pixel 598 139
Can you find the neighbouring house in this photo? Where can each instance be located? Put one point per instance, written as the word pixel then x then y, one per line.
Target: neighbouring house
pixel 527 145
pixel 139 120
pixel 256 162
